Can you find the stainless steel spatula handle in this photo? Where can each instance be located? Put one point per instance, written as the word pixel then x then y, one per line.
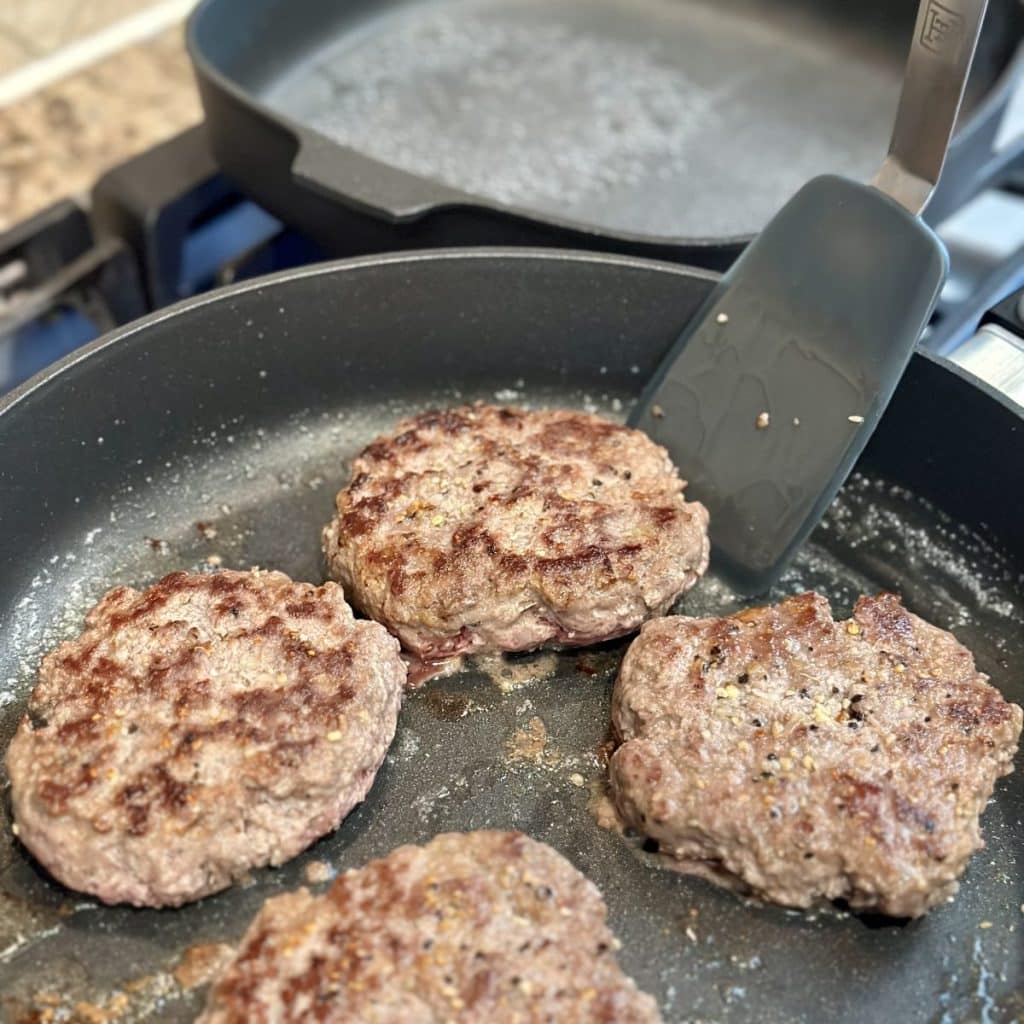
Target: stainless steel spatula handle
pixel 941 50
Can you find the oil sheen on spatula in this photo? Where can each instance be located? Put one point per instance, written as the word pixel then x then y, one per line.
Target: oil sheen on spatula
pixel 773 390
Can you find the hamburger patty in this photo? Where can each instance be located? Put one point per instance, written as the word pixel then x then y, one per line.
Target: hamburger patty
pixel 481 926
pixel 496 529
pixel 798 758
pixel 200 728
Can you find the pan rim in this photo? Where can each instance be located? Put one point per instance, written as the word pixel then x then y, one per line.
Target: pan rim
pixel 54 371
pixel 353 263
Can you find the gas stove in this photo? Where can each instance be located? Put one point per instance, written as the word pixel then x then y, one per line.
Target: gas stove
pixel 167 225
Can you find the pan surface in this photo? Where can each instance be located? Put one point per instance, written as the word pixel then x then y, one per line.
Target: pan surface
pixel 647 119
pixel 241 410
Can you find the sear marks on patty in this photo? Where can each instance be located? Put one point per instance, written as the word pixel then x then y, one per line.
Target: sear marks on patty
pixel 478 926
pixel 200 728
pixel 490 529
pixel 797 758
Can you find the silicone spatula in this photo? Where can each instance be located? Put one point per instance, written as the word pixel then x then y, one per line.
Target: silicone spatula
pixel 774 388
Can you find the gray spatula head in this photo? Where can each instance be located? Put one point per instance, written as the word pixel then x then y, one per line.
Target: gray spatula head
pixel 770 394
pixel 767 400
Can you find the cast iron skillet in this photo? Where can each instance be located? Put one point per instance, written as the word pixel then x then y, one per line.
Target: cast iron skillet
pixel 241 410
pixel 670 128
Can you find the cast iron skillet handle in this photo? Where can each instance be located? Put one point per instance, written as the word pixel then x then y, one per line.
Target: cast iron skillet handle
pixel 941 51
pixel 350 177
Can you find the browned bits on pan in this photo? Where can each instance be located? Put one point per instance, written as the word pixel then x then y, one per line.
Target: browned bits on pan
pixel 199 964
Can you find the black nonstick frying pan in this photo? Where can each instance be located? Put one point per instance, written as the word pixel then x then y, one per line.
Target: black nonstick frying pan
pixel 241 409
pixel 671 128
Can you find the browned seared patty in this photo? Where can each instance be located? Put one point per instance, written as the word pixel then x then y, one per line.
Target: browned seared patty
pixel 477 927
pixel 496 529
pixel 202 727
pixel 798 758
